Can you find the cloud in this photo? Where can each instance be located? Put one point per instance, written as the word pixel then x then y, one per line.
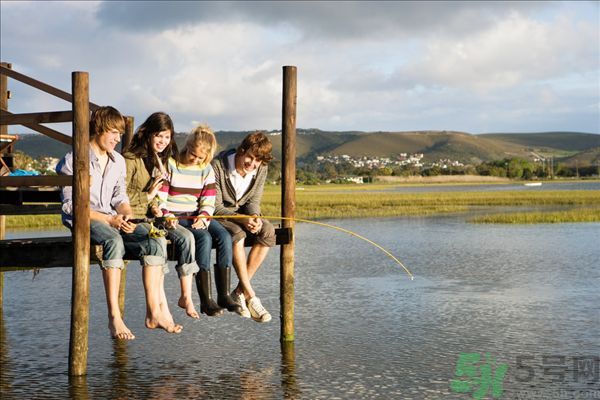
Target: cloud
pixel 470 66
pixel 323 19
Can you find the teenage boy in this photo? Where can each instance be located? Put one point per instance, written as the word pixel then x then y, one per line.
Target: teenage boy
pixel 110 226
pixel 240 178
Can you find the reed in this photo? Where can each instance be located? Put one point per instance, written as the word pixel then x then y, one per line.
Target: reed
pixel 540 217
pixel 327 201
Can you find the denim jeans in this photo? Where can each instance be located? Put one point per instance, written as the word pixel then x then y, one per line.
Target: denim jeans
pixel 116 245
pixel 185 250
pixel 204 239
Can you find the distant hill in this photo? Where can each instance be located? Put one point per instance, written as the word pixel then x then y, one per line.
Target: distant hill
pixel 434 145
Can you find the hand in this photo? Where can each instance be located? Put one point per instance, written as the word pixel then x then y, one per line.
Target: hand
pixel 254 224
pixel 171 222
pixel 126 226
pixel 200 223
pixel 156 211
pixel 154 187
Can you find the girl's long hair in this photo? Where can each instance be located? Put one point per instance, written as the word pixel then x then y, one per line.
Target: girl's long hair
pixel 141 143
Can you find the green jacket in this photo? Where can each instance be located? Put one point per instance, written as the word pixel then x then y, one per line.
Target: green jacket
pixel 138 181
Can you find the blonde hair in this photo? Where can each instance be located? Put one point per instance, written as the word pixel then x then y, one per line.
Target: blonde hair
pixel 201 135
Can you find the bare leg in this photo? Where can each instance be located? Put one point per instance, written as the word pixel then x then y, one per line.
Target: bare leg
pixel 164 304
pixel 239 263
pixel 112 282
pixel 155 296
pixel 185 301
pixel 257 255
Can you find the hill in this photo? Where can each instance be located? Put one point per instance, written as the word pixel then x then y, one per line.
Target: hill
pixel 434 145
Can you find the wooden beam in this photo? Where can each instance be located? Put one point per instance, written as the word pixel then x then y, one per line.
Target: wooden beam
pixel 7 118
pixel 30 209
pixel 37 180
pixel 17 196
pixel 53 252
pixel 44 130
pixel 61 94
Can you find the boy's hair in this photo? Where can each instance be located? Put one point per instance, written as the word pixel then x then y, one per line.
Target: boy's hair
pixel 202 135
pixel 141 146
pixel 104 119
pixel 258 144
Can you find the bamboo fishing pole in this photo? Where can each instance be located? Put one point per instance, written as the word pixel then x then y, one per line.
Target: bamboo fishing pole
pixel 240 216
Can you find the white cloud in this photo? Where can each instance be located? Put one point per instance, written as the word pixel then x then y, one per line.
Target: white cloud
pixel 468 66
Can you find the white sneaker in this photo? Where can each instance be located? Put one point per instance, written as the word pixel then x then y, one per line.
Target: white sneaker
pixel 241 300
pixel 257 311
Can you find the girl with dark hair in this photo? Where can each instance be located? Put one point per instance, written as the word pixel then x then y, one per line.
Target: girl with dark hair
pixel 146 159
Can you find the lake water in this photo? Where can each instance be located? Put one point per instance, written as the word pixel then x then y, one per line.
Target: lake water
pixel 527 295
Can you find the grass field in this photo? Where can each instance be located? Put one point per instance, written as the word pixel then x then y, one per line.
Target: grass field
pixel 359 201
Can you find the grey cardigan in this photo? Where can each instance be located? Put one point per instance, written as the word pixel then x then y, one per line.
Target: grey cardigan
pixel 225 203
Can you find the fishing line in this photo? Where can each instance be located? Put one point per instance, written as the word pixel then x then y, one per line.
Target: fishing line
pixel 412 277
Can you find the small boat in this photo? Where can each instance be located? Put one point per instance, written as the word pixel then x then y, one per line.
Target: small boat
pixel 533 184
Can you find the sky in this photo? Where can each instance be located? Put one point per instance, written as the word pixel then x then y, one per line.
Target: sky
pixel 470 66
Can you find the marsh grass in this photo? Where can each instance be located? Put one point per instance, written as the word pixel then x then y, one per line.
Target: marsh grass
pixel 328 202
pixel 541 217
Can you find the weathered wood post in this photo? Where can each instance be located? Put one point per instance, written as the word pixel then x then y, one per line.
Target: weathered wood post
pixel 3 131
pixel 288 201
pixel 125 140
pixel 80 296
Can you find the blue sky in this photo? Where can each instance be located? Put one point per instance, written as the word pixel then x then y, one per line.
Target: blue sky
pixel 394 66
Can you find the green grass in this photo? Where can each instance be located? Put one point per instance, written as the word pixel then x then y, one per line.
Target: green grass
pixel 540 217
pixel 328 201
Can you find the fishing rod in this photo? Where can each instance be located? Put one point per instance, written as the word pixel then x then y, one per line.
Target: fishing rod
pixel 161 220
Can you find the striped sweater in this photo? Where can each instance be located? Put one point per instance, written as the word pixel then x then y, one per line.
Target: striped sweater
pixel 190 188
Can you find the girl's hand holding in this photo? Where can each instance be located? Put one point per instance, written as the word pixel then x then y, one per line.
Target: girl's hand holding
pixel 200 223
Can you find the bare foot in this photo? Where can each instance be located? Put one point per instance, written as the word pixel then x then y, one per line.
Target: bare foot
pixel 118 329
pixel 162 322
pixel 188 305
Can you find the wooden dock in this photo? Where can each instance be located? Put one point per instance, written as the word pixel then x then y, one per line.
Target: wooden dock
pixel 39 195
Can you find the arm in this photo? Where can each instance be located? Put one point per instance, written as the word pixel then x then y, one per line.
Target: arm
pixel 119 194
pixel 65 167
pixel 220 208
pixel 252 205
pixel 206 200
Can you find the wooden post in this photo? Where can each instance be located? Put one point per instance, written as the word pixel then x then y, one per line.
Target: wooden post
pixel 4 94
pixel 125 140
pixel 288 201
pixel 80 296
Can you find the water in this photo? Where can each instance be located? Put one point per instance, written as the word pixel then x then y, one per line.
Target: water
pixel 363 328
pixel 496 187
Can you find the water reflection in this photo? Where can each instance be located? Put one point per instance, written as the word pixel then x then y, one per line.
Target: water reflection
pixel 363 329
pixel 288 371
pixel 78 388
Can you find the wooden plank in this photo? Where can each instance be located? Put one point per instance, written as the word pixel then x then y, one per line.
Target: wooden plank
pixel 54 252
pixel 39 180
pixel 44 130
pixel 18 196
pixel 7 118
pixel 30 209
pixel 61 94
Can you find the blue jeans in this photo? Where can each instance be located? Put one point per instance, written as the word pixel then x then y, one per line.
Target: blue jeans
pixel 116 245
pixel 185 250
pixel 204 239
